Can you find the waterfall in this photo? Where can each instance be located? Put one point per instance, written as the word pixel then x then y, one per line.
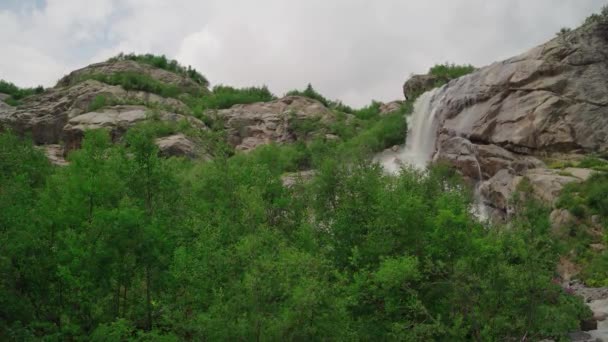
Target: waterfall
pixel 479 208
pixel 422 134
pixel 419 146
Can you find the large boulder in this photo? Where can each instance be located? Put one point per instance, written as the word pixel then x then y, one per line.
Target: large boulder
pixel 117 120
pixel 44 116
pixel 390 107
pixel 177 145
pixel 129 66
pixel 252 125
pixel 544 185
pixel 418 84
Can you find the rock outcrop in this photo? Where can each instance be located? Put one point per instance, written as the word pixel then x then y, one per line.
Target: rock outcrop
pixel 499 122
pixel 44 116
pixel 418 84
pixel 177 145
pixel 390 107
pixel 252 125
pixel 129 66
pixel 117 120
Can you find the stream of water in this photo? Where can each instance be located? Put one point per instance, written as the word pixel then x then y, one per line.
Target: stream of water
pixel 419 147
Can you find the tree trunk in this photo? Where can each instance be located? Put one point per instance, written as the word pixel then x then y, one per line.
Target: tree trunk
pixel 148 299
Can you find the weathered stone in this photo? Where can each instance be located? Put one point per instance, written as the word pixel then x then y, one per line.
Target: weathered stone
pixel 582 174
pixel 55 154
pixel 331 137
pixel 390 107
pixel 547 184
pixel 550 100
pixel 561 221
pixel 588 324
pixel 116 119
pixel 45 115
pixel 252 125
pixel 129 66
pixel 292 178
pixel 498 190
pixel 177 145
pixel 418 84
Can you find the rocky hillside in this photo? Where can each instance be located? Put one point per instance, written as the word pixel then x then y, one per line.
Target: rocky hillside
pixel 127 90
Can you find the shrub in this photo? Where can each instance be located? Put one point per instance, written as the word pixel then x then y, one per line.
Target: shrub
pixel 16 93
pixel 166 64
pixel 449 71
pixel 594 163
pixel 309 92
pixel 368 111
pixel 136 81
pixel 98 102
pixel 223 97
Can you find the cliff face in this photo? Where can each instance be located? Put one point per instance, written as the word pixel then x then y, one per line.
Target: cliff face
pixel 509 116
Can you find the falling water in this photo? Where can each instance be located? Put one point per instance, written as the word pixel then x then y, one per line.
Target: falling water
pixel 419 147
pixel 422 134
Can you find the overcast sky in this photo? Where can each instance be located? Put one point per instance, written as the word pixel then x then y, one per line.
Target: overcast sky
pixel 354 50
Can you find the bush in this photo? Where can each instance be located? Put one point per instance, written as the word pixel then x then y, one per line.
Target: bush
pixel 368 111
pixel 167 64
pixel 136 81
pixel 310 92
pixel 98 102
pixel 591 162
pixel 16 93
pixel 449 71
pixel 223 97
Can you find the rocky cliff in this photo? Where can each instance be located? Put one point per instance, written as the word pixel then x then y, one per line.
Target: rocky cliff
pixel 506 119
pixel 119 93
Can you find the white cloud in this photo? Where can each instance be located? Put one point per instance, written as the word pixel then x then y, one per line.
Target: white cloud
pixel 354 50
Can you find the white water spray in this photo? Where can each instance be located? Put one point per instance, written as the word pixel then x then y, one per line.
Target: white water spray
pixel 419 147
pixel 422 134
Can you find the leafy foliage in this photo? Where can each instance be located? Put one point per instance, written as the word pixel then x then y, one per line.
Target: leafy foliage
pixel 449 71
pixel 136 81
pixel 588 203
pixel 98 102
pixel 124 245
pixel 223 97
pixel 310 92
pixel 163 62
pixel 16 93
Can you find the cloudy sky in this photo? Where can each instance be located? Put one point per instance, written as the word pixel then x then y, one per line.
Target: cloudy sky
pixel 354 50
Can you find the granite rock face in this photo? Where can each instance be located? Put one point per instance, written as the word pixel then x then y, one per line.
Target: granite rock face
pixel 44 116
pixel 129 66
pixel 117 120
pixel 498 123
pixel 251 125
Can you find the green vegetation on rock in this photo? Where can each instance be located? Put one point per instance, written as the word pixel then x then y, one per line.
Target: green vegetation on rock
pixel 164 63
pixel 222 97
pixel 136 81
pixel 16 93
pixel 450 71
pixel 310 92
